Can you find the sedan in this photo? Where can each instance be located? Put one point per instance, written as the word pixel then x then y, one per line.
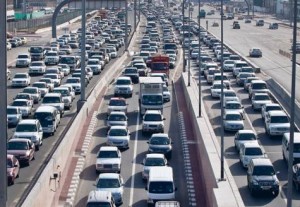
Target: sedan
pixel 20 80
pixel 35 93
pixel 243 136
pixel 24 105
pixel 117 118
pixel 14 116
pixel 260 99
pixel 160 143
pixel 255 52
pixel 108 159
pixel 233 121
pixel 215 89
pixel 23 60
pixel 234 106
pixel 42 86
pixel 13 169
pixel 118 136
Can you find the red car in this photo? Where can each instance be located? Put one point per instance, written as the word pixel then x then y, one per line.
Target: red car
pixel 13 169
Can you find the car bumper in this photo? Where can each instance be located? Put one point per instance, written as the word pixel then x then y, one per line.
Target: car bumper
pixel 278 132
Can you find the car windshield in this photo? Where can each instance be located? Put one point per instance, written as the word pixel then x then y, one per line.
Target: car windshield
pixel 12 111
pixel 259 86
pixel 229 94
pixel 219 77
pixel 68 60
pixel 116 117
pixel 108 183
pixel 23 56
pixel 107 154
pixel 73 80
pixel 51 100
pixel 233 106
pixel 129 70
pixel 51 54
pixel 93 62
pixel 30 90
pixel 229 62
pixel 36 50
pixel 152 117
pixel 253 151
pixel 19 103
pixel 117 103
pixel 159 141
pixel 26 128
pixel 262 97
pixel 155 162
pixel 123 82
pixel 17 146
pixel 246 136
pixel 62 92
pixel 161 187
pixel 20 76
pixel 39 85
pixel 263 170
pixel 52 76
pixel 279 119
pixel 152 99
pixel 117 132
pixel 233 117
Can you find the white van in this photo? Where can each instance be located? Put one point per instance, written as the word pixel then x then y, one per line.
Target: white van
pixel 285 147
pixel 49 117
pixel 160 185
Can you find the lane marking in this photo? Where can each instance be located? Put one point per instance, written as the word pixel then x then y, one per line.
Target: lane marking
pixel 134 158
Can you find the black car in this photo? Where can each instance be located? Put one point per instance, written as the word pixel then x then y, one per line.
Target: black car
pixel 133 73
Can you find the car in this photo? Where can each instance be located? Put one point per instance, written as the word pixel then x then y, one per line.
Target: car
pixel 55 100
pixel 247 21
pixel 259 99
pixel 21 80
pixel 117 118
pixel 42 87
pixel 12 168
pixel 133 73
pixel 123 87
pixel 100 198
pixel 26 96
pixel 112 182
pixel 215 24
pixel 255 52
pixel 30 129
pixel 49 117
pixel 23 60
pixel 14 116
pixel 273 25
pixel 257 86
pixel 228 65
pixel 247 82
pixel 66 96
pixel 166 94
pixel 229 95
pixel 215 89
pixel 66 48
pixel 250 150
pixel 241 77
pixel 118 136
pixel 75 83
pixel 117 104
pixel 35 93
pixel 243 136
pixel 233 121
pixel 153 121
pixel 218 77
pixel 55 77
pixel 152 160
pixel 276 123
pixel 24 105
pixel 269 107
pixel 22 149
pixel 108 159
pixel 260 22
pixel 65 68
pixel 234 106
pixel 236 26
pixel 52 58
pixel 160 143
pixel 49 82
pixel 261 177
pixel 95 65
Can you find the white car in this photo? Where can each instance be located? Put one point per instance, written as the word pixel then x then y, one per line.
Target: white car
pixel 108 159
pixel 66 96
pixel 257 86
pixel 24 105
pixel 55 77
pixel 51 58
pixel 70 88
pixel 218 77
pixel 23 60
pixel 276 123
pixel 112 182
pixel 95 65
pixel 14 115
pixel 117 118
pixel 117 104
pixel 215 89
pixel 30 129
pixel 229 95
pixel 269 107
pixel 166 94
pixel 49 82
pixel 65 68
pixel 20 80
pixel 75 83
pixel 55 100
pixel 37 68
pixel 35 93
pixel 153 160
pixel 260 99
pixel 249 151
pixel 42 86
pixel 242 136
pixel 118 136
pixel 233 121
pixel 234 106
pixel 123 87
pixel 228 65
pixel 153 121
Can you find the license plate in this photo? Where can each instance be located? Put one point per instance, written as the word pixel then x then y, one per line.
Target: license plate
pixel 266 187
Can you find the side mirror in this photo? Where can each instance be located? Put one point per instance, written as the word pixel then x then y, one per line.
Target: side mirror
pixel 16 165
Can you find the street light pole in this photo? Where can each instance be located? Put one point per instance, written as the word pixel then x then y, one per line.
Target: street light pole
pixel 183 47
pixel 189 52
pixel 222 97
pixel 126 25
pixel 134 15
pixel 199 59
pixel 292 112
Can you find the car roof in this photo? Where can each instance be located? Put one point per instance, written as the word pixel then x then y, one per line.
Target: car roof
pixel 117 113
pixel 52 95
pixel 108 148
pixel 246 131
pixel 159 135
pixel 277 113
pixel 232 112
pixel 155 155
pixel 118 98
pixel 272 104
pixel 123 78
pixel 28 121
pixel 257 81
pixel 262 161
pixel 45 109
pixel 118 127
pixel 251 144
pixel 153 112
pixel 108 175
pixel 18 140
pixel 99 196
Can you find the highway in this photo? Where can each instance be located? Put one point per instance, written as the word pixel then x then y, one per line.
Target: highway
pixel 27 173
pixel 273 64
pixel 134 188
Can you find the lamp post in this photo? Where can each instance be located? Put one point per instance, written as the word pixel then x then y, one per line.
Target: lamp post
pixel 199 59
pixel 183 47
pixel 292 113
pixel 189 52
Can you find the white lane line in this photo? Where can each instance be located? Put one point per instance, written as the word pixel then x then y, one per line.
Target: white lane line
pixel 134 159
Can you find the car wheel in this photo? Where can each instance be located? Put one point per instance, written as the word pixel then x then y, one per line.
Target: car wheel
pixel 12 181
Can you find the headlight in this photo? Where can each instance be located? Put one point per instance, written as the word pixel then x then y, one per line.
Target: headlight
pixel 276 182
pixel 115 165
pixel 254 182
pixel 160 125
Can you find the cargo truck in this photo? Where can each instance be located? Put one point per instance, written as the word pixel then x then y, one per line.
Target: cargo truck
pixel 151 94
pixel 160 64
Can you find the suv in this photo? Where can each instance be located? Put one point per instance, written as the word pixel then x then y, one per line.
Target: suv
pixel 108 160
pixel 250 150
pixel 257 86
pixel 261 177
pixel 54 99
pixel 30 129
pixel 260 22
pixel 153 121
pixel 22 149
pixel 117 104
pixel 123 87
pixel 152 160
pixel 276 123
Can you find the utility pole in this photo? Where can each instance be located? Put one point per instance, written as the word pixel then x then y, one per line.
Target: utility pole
pixel 3 105
pixel 199 59
pixel 183 47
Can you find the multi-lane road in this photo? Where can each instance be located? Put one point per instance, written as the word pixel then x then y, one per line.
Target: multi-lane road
pixel 28 173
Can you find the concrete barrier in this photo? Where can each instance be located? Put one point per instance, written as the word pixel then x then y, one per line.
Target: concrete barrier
pixel 222 193
pixel 44 191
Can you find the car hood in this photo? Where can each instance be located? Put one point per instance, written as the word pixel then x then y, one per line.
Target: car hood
pixel 23 59
pixel 17 152
pixel 281 125
pixel 235 122
pixel 265 178
pixel 112 190
pixel 262 101
pixel 153 122
pixel 116 107
pixel 19 79
pixel 25 134
pixel 108 161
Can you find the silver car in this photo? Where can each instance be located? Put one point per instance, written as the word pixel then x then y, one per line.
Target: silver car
pixel 117 118
pixel 108 159
pixel 233 121
pixel 14 115
pixel 260 99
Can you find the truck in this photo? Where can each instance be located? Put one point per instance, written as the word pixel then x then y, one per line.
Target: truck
pixel 202 13
pixel 151 94
pixel 160 64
